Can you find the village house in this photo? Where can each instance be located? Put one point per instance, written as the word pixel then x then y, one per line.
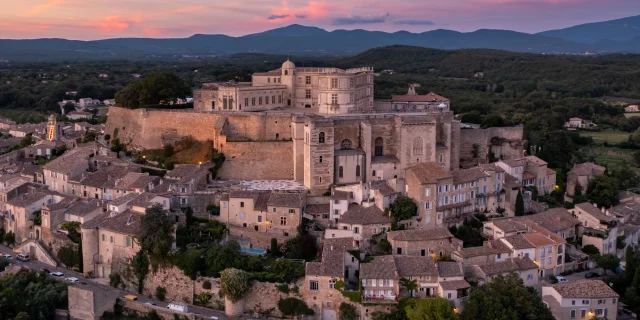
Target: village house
pixel 581 175
pixel 19 212
pixel 185 181
pixel 77 115
pixel 526 269
pixel 592 217
pixel 632 108
pixel 338 265
pixel 491 251
pixel 59 172
pixel 546 249
pixel 69 209
pixel 422 242
pixel 319 214
pixel 582 299
pixel 84 103
pixel 365 224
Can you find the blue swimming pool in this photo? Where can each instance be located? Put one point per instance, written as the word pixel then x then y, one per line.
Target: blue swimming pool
pixel 256 252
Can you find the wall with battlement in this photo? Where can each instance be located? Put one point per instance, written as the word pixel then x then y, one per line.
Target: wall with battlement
pixel 509 146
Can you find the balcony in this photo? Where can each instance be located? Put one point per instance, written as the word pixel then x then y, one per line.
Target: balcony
pixel 377 298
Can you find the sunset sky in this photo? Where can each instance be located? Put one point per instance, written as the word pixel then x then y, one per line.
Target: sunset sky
pixel 98 19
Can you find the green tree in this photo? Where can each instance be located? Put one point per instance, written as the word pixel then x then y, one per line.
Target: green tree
pixel 505 298
pixel 431 309
pixel 348 311
pixel 26 141
pixel 221 257
pixel 161 292
pixel 234 284
pixel 411 285
pixel 274 247
pixel 403 208
pixel 493 121
pixel 190 262
pixel 157 229
pixel 188 214
pixel 607 262
pixel 294 307
pixel 591 250
pixel 140 263
pixel 115 280
pixel 603 190
pixel 626 176
pixel 68 256
pixel 620 242
pixel 472 117
pixel 636 158
pixel 632 263
pixel 153 89
pixel 519 204
pixel 10 238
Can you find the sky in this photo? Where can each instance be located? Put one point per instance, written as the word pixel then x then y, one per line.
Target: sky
pixel 100 19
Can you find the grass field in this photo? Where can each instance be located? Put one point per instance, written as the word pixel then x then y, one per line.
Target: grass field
pixel 629 115
pixel 609 136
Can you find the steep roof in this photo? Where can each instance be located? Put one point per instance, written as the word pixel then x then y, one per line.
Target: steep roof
pixel 593 289
pixel 428 172
pixel 357 214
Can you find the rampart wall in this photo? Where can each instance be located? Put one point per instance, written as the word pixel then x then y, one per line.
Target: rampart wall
pixel 510 146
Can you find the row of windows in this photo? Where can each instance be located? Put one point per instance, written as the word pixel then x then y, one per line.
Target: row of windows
pixel 341 171
pixel 275 80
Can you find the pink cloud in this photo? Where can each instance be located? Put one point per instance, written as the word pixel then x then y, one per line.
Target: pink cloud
pixel 111 25
pixel 43 7
pixel 190 9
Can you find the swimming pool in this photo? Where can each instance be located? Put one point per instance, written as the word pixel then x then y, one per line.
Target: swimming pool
pixel 251 251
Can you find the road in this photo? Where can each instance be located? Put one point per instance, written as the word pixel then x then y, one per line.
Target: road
pixel 37 265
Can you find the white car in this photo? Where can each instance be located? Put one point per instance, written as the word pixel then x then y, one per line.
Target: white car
pixel 57 274
pixel 72 279
pixel 562 279
pixel 7 256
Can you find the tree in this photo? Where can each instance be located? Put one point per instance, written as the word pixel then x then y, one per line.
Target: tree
pixel 626 176
pixel 221 257
pixel 157 232
pixel 519 204
pixel 590 249
pixel 607 262
pixel 274 246
pixel 294 307
pixel 348 311
pixel 620 242
pixel 234 284
pixel 10 238
pixel 190 262
pixel 603 190
pixel 188 214
pixel 68 107
pixel 403 208
pixel 632 263
pixel 472 117
pixel 26 141
pixel 431 309
pixel 505 298
pixel 154 89
pixel 636 158
pixel 493 121
pixel 411 285
pixel 69 256
pixel 140 263
pixel 161 292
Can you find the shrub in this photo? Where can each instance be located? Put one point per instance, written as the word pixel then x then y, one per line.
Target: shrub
pixel 206 285
pixel 115 280
pixel 10 238
pixel 69 256
pixel 590 249
pixel 294 307
pixel 203 298
pixel 283 287
pixel 234 284
pixel 385 245
pixel 161 293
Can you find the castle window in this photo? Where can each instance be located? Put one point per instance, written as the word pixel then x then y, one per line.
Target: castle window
pixel 266 100
pixel 283 221
pixel 279 99
pixel 253 101
pixel 321 137
pixel 417 146
pixel 307 80
pixel 320 159
pixel 334 83
pixel 246 101
pixel 345 144
pixel 286 72
pixel 308 93
pixel 260 101
pixel 213 105
pixel 379 146
pixel 357 170
pixel 334 98
pixel 273 99
pixel 268 80
pixel 351 83
pixel 373 173
pixel 340 172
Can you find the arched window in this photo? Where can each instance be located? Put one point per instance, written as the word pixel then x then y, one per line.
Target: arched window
pixel 417 146
pixel 321 137
pixel 340 172
pixel 345 144
pixel 286 72
pixel 379 146
pixel 357 170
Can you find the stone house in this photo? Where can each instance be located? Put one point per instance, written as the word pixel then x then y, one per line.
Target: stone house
pixel 582 299
pixel 19 212
pixel 338 264
pixel 604 240
pixel 338 205
pixel 69 209
pixel 592 217
pixel 365 223
pixel 430 186
pixel 490 252
pixel 105 183
pixel 581 175
pixel 185 181
pixel 539 175
pixel 632 108
pixel 543 247
pixel 319 213
pixel 264 211
pixel 423 242
pixel 526 269
pixel 59 173
pixel 503 227
pixel 556 220
pixel 451 283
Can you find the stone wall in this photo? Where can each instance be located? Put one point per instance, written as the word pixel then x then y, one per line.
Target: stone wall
pixel 510 146
pixel 180 288
pixel 135 308
pixel 90 302
pixel 271 160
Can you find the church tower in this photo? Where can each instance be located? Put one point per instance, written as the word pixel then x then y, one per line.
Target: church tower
pixel 289 79
pixel 52 129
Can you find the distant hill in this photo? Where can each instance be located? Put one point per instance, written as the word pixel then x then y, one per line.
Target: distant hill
pixel 620 30
pixel 311 41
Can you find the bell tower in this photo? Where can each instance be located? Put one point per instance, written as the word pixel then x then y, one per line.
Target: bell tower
pixel 289 79
pixel 52 129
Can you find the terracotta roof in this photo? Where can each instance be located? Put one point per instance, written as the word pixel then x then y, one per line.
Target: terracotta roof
pixel 550 171
pixel 243 194
pixel 594 212
pixel 499 246
pixel 592 289
pixel 287 200
pixel 124 199
pixel 430 97
pixel 318 208
pixel 454 285
pixel 484 250
pixel 535 160
pixel 528 175
pixel 507 266
pixel 468 175
pixel 382 187
pixel 428 172
pixel 538 239
pixel 420 234
pixel 554 220
pixel 70 161
pixel 414 266
pixel 29 199
pixel 261 201
pixel 449 269
pixel 587 168
pixel 357 214
pixel 511 181
pixel 508 225
pixel 84 207
pixel 127 222
pixel 490 167
pixel 513 162
pixel 518 242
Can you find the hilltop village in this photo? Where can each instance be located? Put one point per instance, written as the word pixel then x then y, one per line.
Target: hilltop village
pixel 321 200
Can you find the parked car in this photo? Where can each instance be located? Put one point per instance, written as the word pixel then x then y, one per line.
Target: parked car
pixel 23 257
pixel 590 275
pixel 562 279
pixel 57 274
pixel 131 297
pixel 7 256
pixel 72 279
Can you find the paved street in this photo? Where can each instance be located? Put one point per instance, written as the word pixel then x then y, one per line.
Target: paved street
pixel 37 265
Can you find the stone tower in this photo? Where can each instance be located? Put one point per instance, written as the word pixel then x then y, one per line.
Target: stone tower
pixel 289 79
pixel 52 129
pixel 318 154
